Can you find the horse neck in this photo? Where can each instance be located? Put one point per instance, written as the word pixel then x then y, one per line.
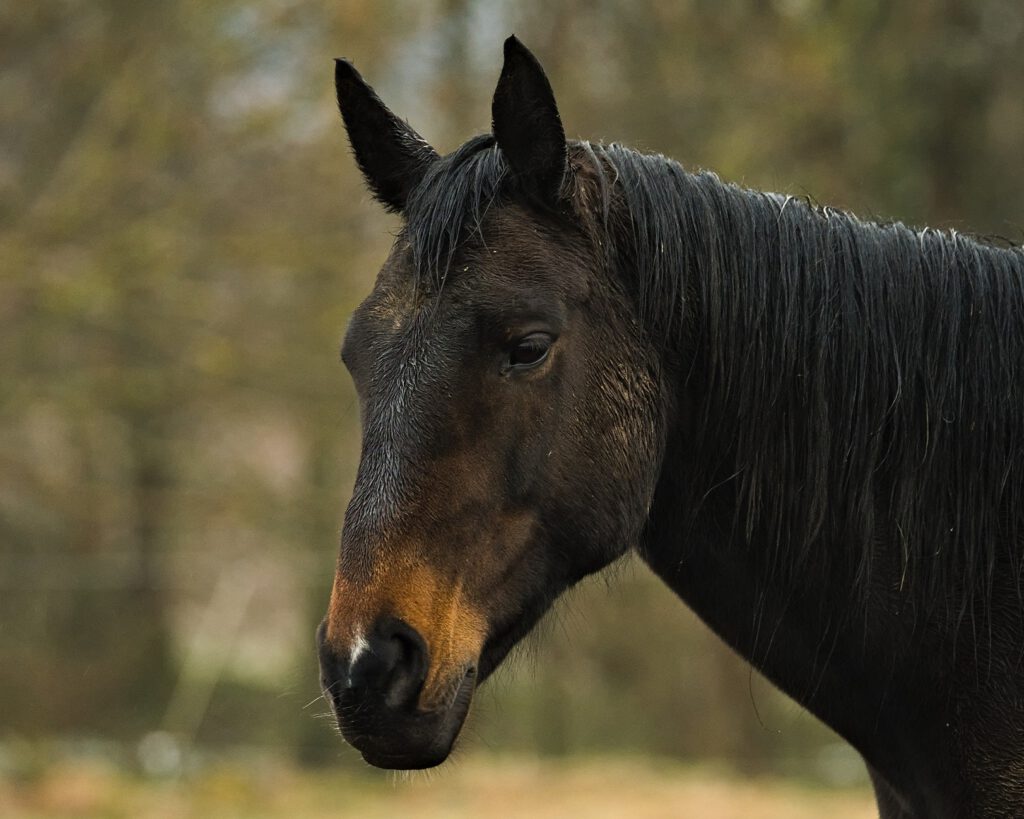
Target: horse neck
pixel 837 414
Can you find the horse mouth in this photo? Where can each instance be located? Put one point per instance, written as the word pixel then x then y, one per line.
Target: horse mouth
pixel 424 739
pixel 406 740
pixel 414 738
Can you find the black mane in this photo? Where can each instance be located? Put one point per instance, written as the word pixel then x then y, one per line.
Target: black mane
pixel 450 204
pixel 866 379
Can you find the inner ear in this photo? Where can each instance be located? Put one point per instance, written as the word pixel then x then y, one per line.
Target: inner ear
pixel 391 155
pixel 526 124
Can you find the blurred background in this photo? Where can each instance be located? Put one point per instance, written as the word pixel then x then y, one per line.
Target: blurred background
pixel 183 235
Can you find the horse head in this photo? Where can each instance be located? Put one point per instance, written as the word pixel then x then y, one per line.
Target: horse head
pixel 509 409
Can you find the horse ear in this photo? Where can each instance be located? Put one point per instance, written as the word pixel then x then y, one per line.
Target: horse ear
pixel 391 155
pixel 526 124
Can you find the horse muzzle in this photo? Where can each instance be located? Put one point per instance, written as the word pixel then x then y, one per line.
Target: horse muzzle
pixel 376 686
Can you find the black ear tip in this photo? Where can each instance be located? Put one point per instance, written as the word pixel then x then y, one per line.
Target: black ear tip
pixel 346 79
pixel 516 54
pixel 515 50
pixel 344 70
pixel 349 86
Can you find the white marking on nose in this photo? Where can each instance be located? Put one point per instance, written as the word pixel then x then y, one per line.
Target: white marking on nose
pixel 359 645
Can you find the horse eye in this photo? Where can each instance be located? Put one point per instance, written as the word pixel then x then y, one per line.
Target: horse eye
pixel 529 351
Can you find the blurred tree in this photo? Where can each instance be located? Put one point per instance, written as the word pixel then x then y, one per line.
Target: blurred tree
pixel 73 664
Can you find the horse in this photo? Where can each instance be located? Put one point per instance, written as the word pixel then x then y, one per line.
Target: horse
pixel 808 425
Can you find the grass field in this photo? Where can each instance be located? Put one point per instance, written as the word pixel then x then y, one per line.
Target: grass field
pixel 474 786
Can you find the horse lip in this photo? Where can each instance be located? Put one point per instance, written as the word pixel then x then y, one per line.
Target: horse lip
pixel 405 762
pixel 418 739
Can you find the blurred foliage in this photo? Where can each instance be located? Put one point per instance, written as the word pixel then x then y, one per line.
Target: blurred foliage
pixel 182 238
pixel 518 787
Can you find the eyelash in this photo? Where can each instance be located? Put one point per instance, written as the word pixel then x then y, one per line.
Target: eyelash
pixel 529 351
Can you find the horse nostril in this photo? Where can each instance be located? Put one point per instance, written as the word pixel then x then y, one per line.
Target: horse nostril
pixel 389 662
pixel 333 671
pixel 409 667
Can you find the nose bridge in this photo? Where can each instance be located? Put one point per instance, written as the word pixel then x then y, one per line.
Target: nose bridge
pixel 429 601
pixel 392 479
pixel 380 494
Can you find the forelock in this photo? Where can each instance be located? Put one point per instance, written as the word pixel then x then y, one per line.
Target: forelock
pixel 448 207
